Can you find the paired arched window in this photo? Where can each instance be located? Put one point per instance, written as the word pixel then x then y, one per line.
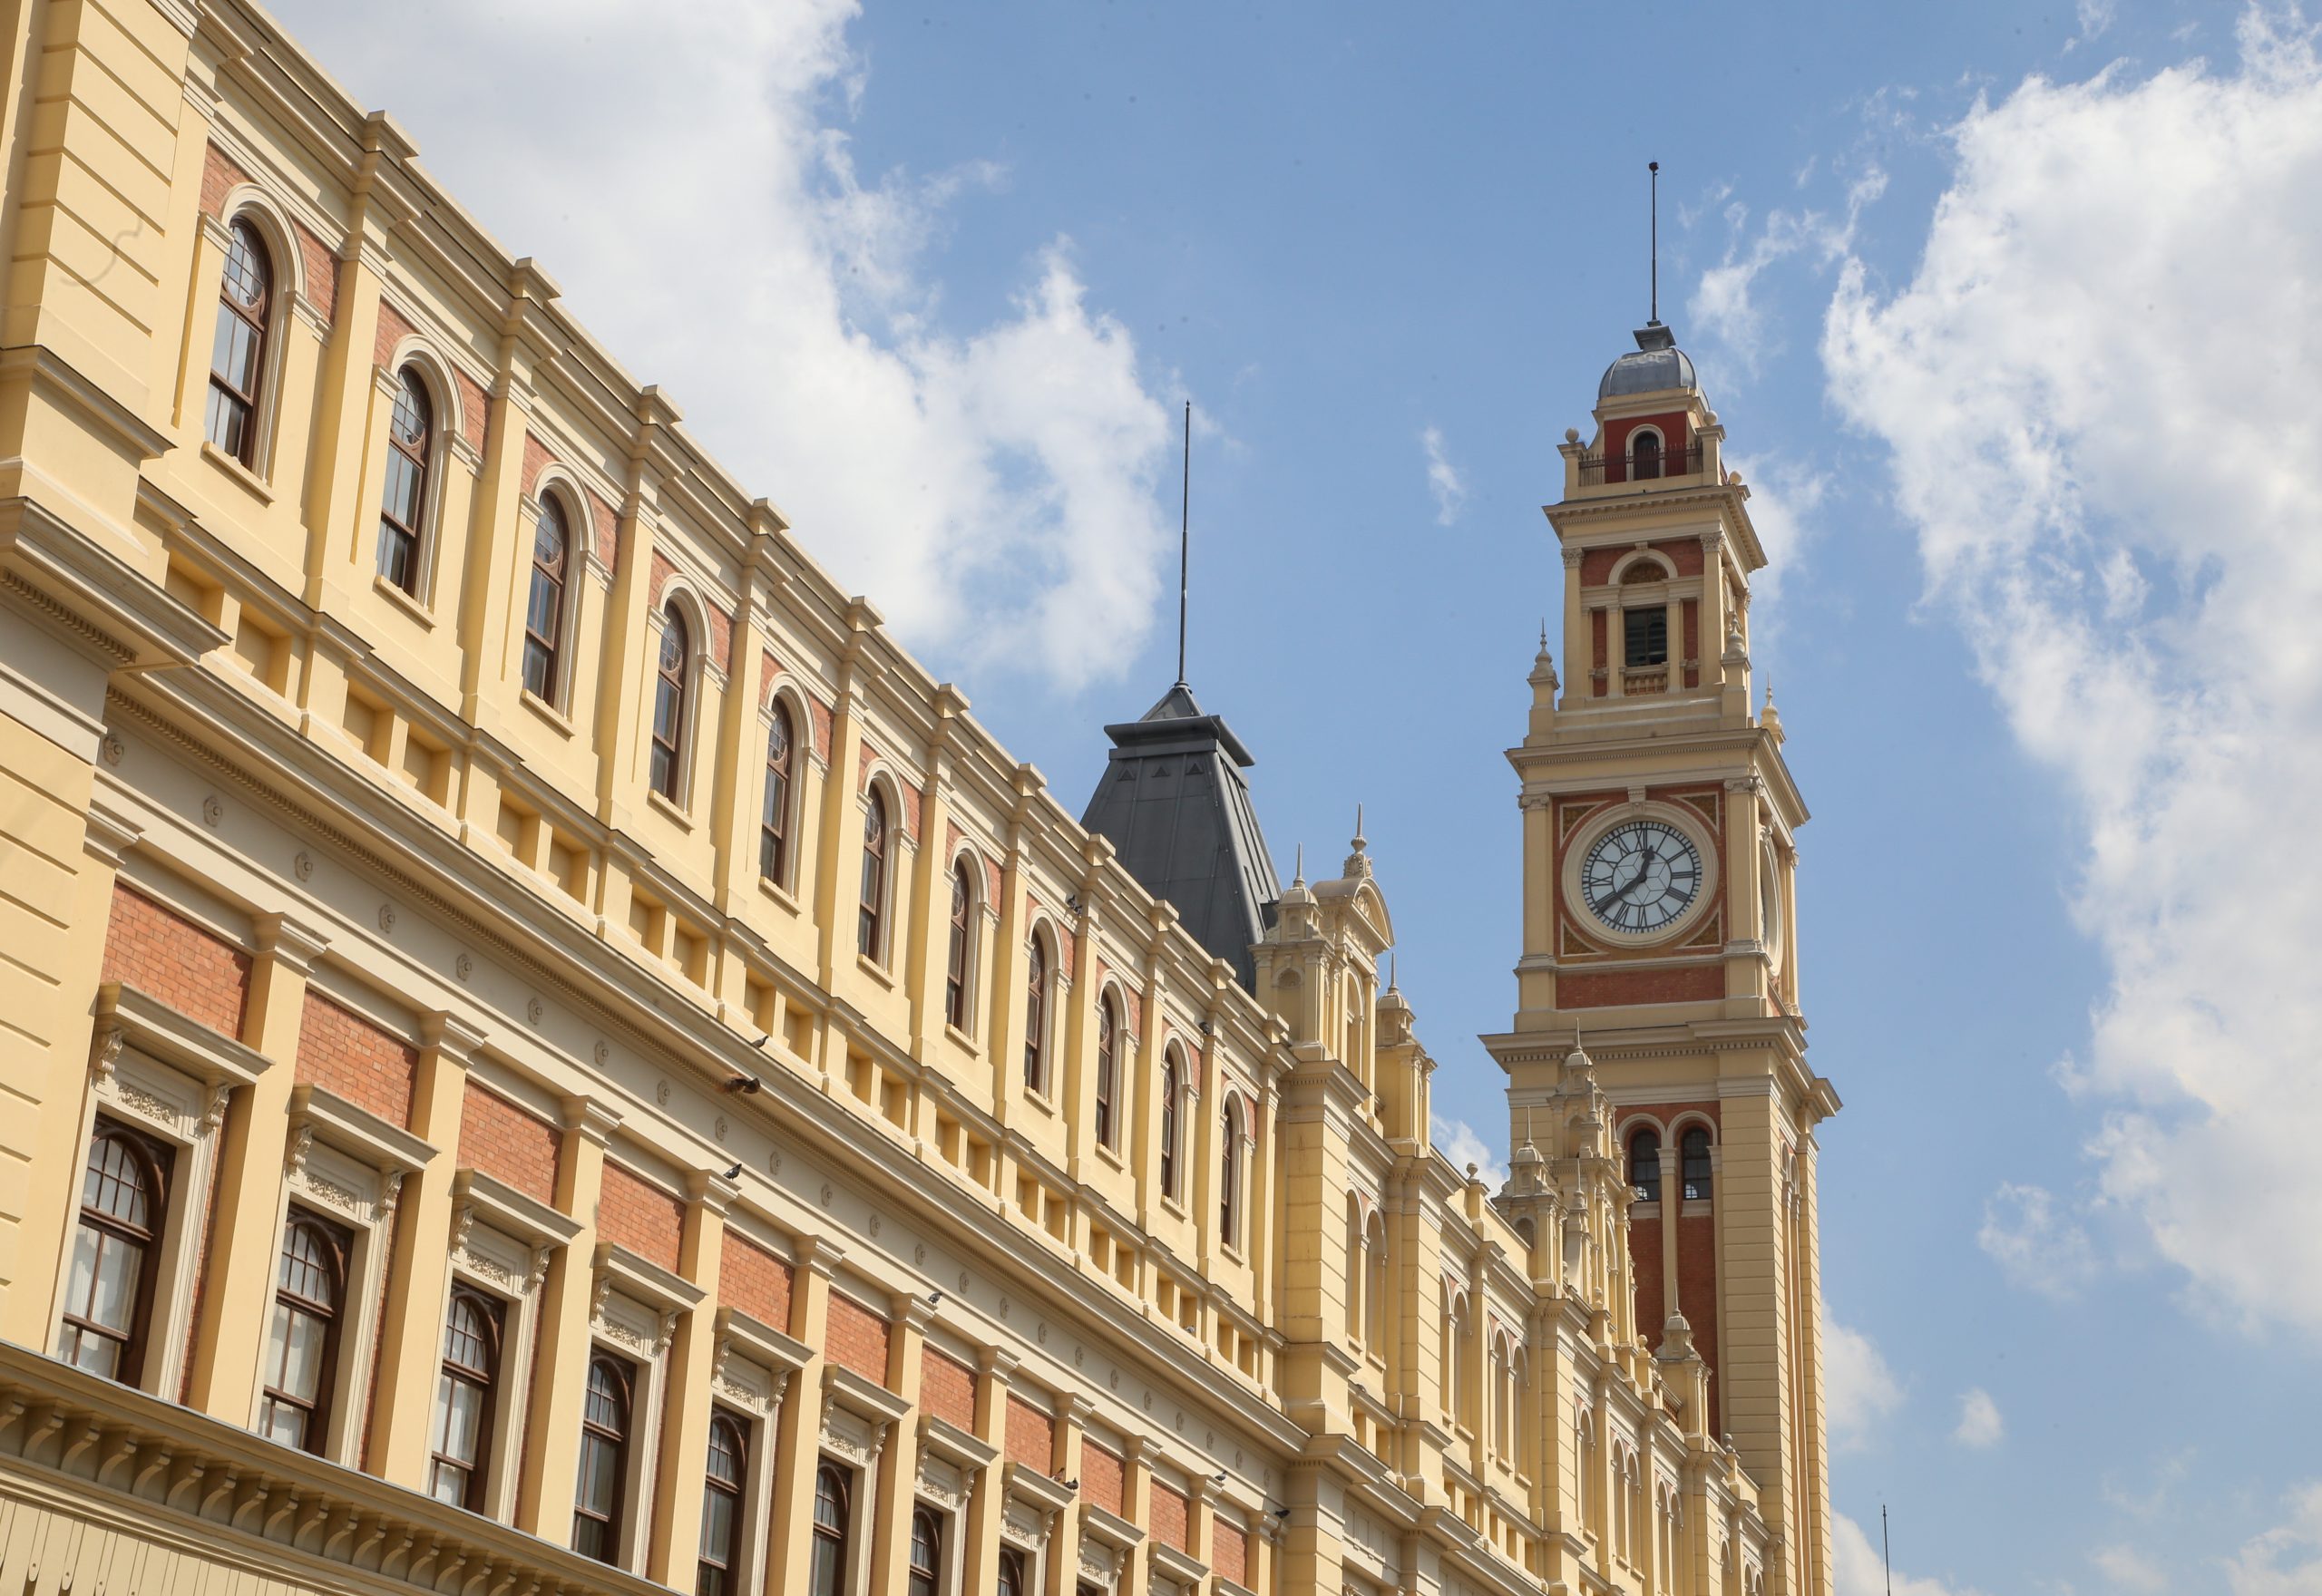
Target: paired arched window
pixel 827 1572
pixel 669 704
pixel 544 604
pixel 955 963
pixel 870 920
pixel 1645 1165
pixel 1107 1066
pixel 604 1460
pixel 108 1297
pixel 773 818
pixel 926 1554
pixel 1693 1161
pixel 1173 1086
pixel 1645 455
pixel 1036 1016
pixel 464 1391
pixel 302 1345
pixel 1229 1178
pixel 238 351
pixel 403 502
pixel 718 1566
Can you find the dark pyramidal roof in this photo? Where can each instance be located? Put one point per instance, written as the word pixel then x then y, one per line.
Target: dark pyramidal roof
pixel 1175 805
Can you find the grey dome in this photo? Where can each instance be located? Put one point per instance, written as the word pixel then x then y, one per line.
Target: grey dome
pixel 1657 363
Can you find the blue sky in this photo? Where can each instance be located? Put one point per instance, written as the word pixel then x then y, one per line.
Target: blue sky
pixel 2006 311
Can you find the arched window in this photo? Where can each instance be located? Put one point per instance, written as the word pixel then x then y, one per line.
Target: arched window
pixel 464 1400
pixel 1354 1277
pixel 544 604
pixel 669 704
pixel 719 1565
pixel 238 351
pixel 1516 1388
pixel 1645 455
pixel 1447 1337
pixel 773 818
pixel 1011 1572
pixel 827 1575
pixel 1693 1155
pixel 874 876
pixel 1172 1083
pixel 955 967
pixel 926 1554
pixel 302 1347
pixel 1463 1363
pixel 109 1297
pixel 1229 1178
pixel 402 502
pixel 1645 1165
pixel 604 1460
pixel 1374 1285
pixel 1503 1402
pixel 1107 1063
pixel 1036 1016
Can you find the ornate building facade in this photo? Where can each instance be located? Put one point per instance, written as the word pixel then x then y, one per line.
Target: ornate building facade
pixel 542 1053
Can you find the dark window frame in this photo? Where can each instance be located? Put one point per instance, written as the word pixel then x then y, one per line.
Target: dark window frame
pixel 870 925
pixel 1694 1173
pixel 956 958
pixel 833 1536
pixel 403 537
pixel 544 602
pixel 337 1253
pixel 1036 1017
pixel 595 1433
pixel 671 693
pixel 718 1568
pixel 773 799
pixel 923 1570
pixel 1644 637
pixel 1645 1167
pixel 155 1162
pixel 1172 1082
pixel 1229 1177
pixel 1107 1085
pixel 255 320
pixel 484 1379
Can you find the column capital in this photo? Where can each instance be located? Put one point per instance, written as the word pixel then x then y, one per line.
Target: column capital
pixel 997 1363
pixel 289 940
pixel 820 1256
pixel 594 1120
pixel 449 1035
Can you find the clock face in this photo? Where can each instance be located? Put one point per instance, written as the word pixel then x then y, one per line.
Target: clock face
pixel 1640 877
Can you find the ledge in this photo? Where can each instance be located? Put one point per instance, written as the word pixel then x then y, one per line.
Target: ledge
pixel 503 1208
pixel 152 1026
pixel 756 1339
pixel 642 1280
pixel 942 1438
pixel 1170 1563
pixel 850 1393
pixel 339 1123
pixel 1019 1483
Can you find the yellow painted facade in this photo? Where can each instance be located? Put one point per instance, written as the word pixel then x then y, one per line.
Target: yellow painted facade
pixel 384 977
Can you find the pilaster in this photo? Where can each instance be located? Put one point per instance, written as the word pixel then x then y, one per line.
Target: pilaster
pixel 685 1410
pixel 561 1358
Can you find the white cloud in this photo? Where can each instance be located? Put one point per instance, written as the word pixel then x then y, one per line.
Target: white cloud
pixel 1443 479
pixel 2094 16
pixel 2038 1246
pixel 1862 1390
pixel 2125 1568
pixel 1860 1571
pixel 1724 303
pixel 994 486
pixel 1463 1145
pixel 1980 1425
pixel 2098 392
pixel 2285 1560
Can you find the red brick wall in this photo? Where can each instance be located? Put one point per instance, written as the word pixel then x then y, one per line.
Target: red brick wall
pixel 1697 1297
pixel 1696 1251
pixel 322 273
pixel 220 177
pixel 856 1339
pixel 634 1213
pixel 1032 1436
pixel 537 459
pixel 947 1387
pixel 475 410
pixel 393 330
pixel 755 1280
pixel 600 515
pixel 345 1054
pixel 1596 634
pixel 1606 988
pixel 1102 1478
pixel 507 1143
pixel 1171 1514
pixel 163 954
pixel 1229 1553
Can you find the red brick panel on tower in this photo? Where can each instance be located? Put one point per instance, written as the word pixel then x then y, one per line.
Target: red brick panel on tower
pixel 755 1281
pixel 1032 1436
pixel 856 1339
pixel 166 956
pixel 501 1140
pixel 1102 1478
pixel 351 1057
pixel 947 1387
pixel 633 1212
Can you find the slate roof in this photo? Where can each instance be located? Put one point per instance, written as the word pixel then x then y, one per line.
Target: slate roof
pixel 1176 806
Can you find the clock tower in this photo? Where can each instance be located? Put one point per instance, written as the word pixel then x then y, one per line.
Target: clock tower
pixel 1659 860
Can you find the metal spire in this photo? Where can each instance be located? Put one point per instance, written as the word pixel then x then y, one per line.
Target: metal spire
pixel 1184 539
pixel 1653 169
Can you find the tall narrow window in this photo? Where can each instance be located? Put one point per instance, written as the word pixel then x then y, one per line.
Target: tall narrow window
pixel 1011 1572
pixel 827 1572
pixel 402 504
pixel 1646 632
pixel 109 1297
pixel 1693 1157
pixel 669 704
pixel 544 608
pixel 1036 1016
pixel 1645 455
pixel 955 967
pixel 464 1400
pixel 238 352
pixel 773 820
pixel 720 1564
pixel 926 1554
pixel 604 1460
pixel 1229 1179
pixel 1374 1288
pixel 302 1347
pixel 1644 1165
pixel 1173 1083
pixel 1108 1046
pixel 867 923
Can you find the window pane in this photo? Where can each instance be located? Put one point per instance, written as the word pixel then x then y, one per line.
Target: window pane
pixel 717 1524
pixel 302 1367
pixel 448 1484
pixel 600 1475
pixel 237 355
pixel 283 1423
pixel 113 1294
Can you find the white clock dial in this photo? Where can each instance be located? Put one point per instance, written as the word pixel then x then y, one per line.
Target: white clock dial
pixel 1640 877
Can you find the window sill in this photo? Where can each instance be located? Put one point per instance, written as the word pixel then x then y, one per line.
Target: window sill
pixel 1109 1156
pixel 1040 1100
pixel 1234 1253
pixel 676 816
pixel 962 1040
pixel 1171 1206
pixel 876 970
pixel 402 601
pixel 774 889
pixel 556 718
pixel 249 481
